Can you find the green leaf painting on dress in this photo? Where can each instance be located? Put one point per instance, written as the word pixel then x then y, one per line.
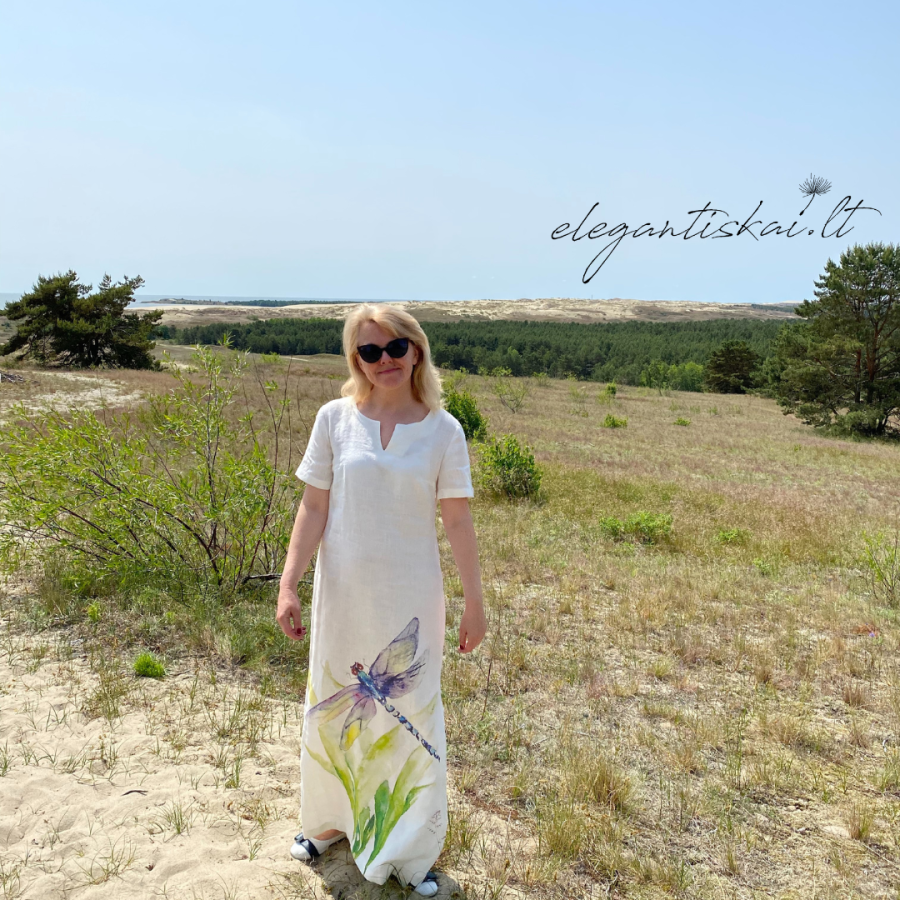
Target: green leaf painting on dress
pixel 365 770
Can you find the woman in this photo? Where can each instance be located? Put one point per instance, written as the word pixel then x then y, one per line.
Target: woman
pixel 373 763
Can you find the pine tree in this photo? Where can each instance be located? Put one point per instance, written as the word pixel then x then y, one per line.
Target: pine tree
pixel 61 321
pixel 730 369
pixel 841 367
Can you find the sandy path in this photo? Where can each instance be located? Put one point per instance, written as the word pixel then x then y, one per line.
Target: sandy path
pixel 113 786
pixel 61 391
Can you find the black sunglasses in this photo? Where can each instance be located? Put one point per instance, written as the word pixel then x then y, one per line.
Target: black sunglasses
pixel 396 349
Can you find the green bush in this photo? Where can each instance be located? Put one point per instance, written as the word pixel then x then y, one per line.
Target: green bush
pixel 732 536
pixel 682 421
pixel 648 528
pixel 182 493
pixel 506 468
pixel 612 421
pixel 463 407
pixel 148 666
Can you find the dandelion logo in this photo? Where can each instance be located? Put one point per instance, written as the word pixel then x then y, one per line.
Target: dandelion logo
pixel 812 187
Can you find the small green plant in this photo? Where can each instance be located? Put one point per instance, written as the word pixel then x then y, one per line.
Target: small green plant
pixel 511 392
pixel 682 421
pixel 463 407
pixel 646 527
pixel 541 379
pixel 607 396
pixel 578 396
pixel 612 527
pixel 148 666
pixel 881 558
pixel 93 612
pixel 860 819
pixel 738 536
pixel 612 421
pixel 507 468
pixel 270 358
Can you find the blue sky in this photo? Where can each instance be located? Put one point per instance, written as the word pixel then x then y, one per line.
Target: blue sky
pixel 426 151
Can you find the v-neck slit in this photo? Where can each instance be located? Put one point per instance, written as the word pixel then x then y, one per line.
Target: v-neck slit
pixel 379 446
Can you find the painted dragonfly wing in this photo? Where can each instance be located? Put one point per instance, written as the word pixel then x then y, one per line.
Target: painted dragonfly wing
pixel 337 703
pixel 405 682
pixel 360 716
pixel 398 655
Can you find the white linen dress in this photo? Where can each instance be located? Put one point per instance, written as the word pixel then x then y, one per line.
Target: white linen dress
pixel 373 760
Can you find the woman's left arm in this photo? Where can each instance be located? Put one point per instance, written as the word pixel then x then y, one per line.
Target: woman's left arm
pixel 458 525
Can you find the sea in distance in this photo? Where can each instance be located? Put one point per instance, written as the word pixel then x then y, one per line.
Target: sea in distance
pixel 147 299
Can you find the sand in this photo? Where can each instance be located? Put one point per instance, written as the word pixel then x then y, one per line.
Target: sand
pixel 544 310
pixel 116 786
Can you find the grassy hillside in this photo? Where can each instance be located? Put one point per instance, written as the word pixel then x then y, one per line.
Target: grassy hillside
pixel 713 714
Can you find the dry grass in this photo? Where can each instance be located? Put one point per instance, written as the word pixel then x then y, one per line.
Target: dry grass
pixel 702 717
pixel 746 690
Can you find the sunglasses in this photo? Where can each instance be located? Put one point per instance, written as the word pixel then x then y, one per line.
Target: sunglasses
pixel 396 349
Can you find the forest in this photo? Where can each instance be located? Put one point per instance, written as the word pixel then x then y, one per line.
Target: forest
pixel 617 351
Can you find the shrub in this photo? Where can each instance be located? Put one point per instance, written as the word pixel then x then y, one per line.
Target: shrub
pixel 506 468
pixel 177 493
pixel 511 392
pixel 148 666
pixel 612 421
pixel 462 406
pixel 881 558
pixel 682 421
pixel 612 527
pixel 648 528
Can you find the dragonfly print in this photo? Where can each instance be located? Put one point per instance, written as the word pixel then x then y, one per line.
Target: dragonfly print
pixel 393 674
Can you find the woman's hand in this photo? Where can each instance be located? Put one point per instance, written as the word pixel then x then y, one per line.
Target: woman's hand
pixel 461 533
pixel 308 527
pixel 472 628
pixel 288 615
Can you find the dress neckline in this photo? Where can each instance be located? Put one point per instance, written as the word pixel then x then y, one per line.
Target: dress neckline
pixel 428 417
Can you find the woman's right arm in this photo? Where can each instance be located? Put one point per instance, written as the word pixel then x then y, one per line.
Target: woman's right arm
pixel 308 529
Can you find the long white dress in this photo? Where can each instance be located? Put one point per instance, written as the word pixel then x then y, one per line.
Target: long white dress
pixel 373 755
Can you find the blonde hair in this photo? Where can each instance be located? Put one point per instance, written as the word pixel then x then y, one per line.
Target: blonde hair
pixel 426 382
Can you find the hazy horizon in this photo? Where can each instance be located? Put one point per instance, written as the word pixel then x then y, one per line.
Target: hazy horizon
pixel 7 297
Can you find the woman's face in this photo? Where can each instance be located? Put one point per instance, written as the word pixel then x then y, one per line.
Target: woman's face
pixel 386 373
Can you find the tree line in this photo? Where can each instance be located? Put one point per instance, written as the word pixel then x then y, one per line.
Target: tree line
pixel 618 351
pixel 837 367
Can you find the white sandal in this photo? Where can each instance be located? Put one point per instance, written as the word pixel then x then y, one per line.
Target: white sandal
pixel 306 849
pixel 428 886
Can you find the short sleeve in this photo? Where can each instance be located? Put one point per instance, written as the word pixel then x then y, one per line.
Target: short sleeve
pixel 316 466
pixel 454 477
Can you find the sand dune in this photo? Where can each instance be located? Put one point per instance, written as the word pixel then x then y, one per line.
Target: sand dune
pixel 554 309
